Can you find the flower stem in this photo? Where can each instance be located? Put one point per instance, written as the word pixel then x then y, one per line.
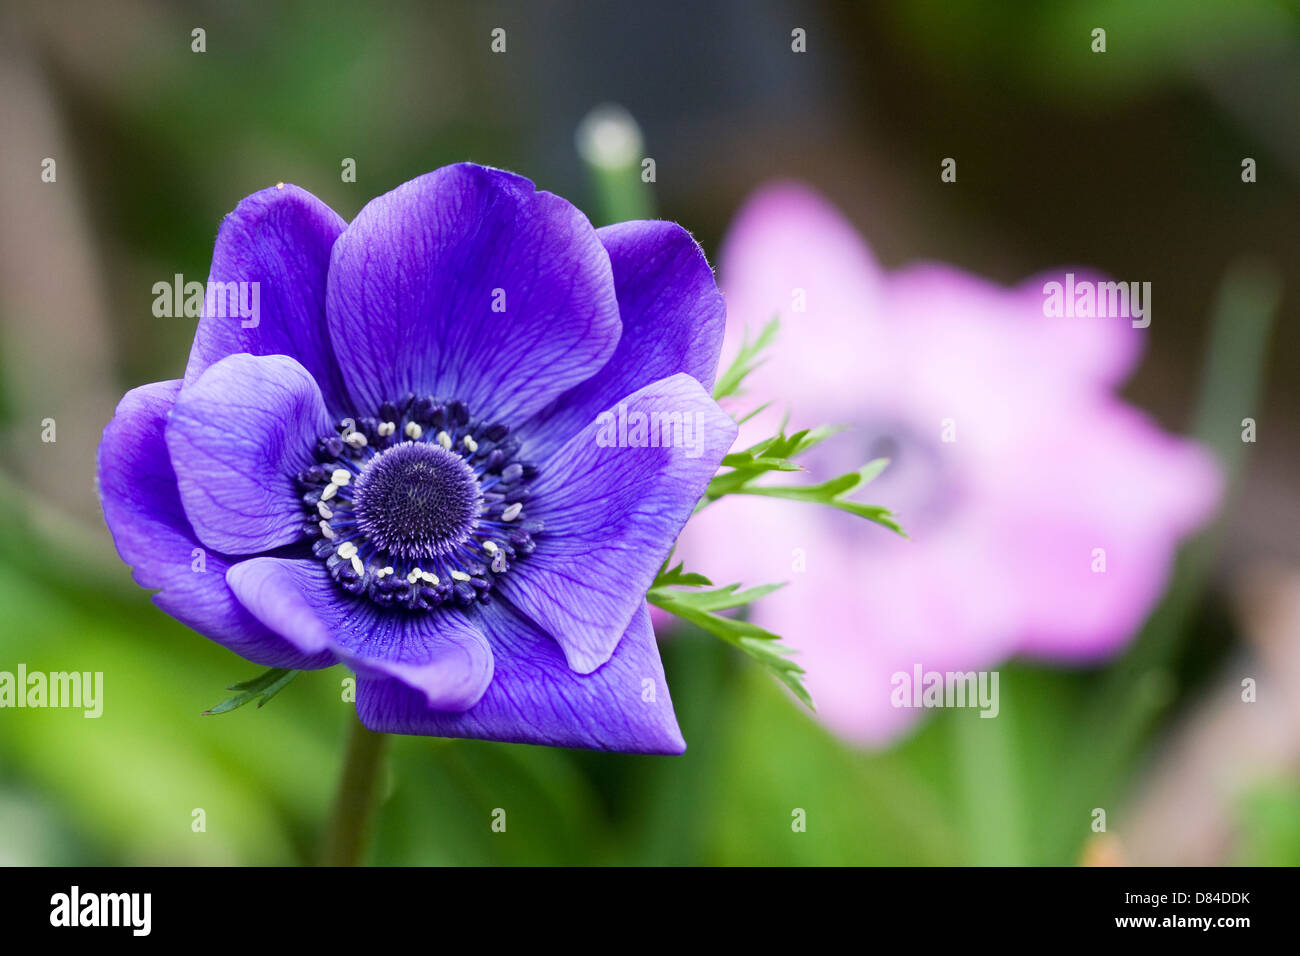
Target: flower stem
pixel 357 798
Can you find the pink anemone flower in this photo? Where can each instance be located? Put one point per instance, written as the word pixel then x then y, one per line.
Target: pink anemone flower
pixel 1043 511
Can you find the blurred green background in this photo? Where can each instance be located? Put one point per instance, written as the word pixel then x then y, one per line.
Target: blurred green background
pixel 1128 162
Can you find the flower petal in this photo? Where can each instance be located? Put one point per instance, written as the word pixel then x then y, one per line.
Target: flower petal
pixel 280 239
pixel 440 654
pixel 949 332
pixel 1134 494
pixel 1083 352
pixel 535 698
pixel 790 254
pixel 237 437
pixel 143 509
pixel 673 317
pixel 467 283
pixel 611 515
pixel 960 615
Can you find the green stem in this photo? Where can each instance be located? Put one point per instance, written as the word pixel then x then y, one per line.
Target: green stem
pixel 357 798
pixel 610 144
pixel 991 787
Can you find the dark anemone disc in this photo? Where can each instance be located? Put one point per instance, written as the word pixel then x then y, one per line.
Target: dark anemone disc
pixel 417 500
pixel 418 505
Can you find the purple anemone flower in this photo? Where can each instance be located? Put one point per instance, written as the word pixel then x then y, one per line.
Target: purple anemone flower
pixel 398 463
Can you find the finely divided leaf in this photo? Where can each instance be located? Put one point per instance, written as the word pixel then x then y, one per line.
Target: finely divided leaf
pixel 676 577
pixel 746 360
pixel 264 686
pixel 777 454
pixel 833 493
pixel 700 607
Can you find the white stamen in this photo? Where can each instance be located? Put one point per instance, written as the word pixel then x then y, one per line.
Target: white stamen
pixel 471 444
pixel 499 562
pixel 444 440
pixel 327 531
pixel 413 431
pixel 346 550
pixel 324 510
pixel 357 566
pixel 386 428
pixel 414 575
pixel 341 476
pixel 490 547
pixel 512 512
pixel 428 577
pixel 356 439
pixel 459 576
pixel 329 491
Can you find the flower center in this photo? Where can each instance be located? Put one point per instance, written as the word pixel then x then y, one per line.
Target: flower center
pixel 924 484
pixel 418 506
pixel 417 500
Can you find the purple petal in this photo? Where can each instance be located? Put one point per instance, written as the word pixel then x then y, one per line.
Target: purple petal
pixel 237 437
pixel 143 509
pixel 440 655
pixel 534 697
pixel 673 318
pixel 611 515
pixel 280 239
pixel 415 278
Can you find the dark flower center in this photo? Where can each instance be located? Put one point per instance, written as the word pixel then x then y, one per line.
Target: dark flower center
pixel 416 500
pixel 419 505
pixel 919 483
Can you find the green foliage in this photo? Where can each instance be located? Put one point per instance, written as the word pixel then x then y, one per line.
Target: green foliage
pixel 1268 819
pixel 747 359
pixel 127 783
pixel 773 454
pixel 676 577
pixel 777 454
pixel 261 688
pixel 693 598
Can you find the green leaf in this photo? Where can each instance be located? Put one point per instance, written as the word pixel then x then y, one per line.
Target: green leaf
pixel 263 686
pixel 676 577
pixel 773 454
pixel 700 607
pixel 746 360
pixel 758 411
pixel 777 454
pixel 833 494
